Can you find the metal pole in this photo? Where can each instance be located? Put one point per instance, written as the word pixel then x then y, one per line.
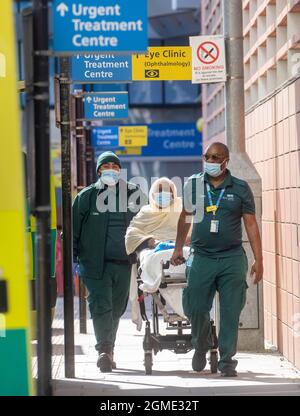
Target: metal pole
pixel 81 183
pixel 90 159
pixel 235 101
pixel 67 217
pixel 27 26
pixel 43 206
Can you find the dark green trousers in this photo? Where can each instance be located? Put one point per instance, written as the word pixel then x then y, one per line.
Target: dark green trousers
pixel 205 276
pixel 107 301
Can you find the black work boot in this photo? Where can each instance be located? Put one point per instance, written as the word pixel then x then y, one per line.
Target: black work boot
pixel 228 372
pixel 199 360
pixel 113 363
pixel 105 362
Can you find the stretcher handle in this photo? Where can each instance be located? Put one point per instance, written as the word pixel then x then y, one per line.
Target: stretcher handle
pixel 167 264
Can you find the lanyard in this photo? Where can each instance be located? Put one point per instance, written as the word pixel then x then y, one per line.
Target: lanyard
pixel 210 199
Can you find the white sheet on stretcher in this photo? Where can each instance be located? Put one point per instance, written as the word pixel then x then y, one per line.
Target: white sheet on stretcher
pixel 150 264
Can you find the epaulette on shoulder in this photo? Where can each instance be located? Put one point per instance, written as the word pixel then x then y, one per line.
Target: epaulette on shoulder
pixel 196 176
pixel 86 190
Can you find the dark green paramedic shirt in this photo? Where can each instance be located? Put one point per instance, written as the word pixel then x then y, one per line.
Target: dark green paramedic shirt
pixel 115 238
pixel 116 230
pixel 237 200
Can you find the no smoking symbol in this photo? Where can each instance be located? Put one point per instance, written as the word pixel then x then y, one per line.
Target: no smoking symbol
pixel 208 53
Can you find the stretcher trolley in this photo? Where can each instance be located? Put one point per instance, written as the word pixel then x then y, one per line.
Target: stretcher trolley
pixel 179 338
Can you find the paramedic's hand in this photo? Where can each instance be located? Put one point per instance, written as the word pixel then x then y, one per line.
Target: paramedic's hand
pixel 257 270
pixel 177 257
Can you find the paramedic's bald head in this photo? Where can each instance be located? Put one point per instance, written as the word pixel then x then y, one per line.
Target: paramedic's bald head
pixel 217 152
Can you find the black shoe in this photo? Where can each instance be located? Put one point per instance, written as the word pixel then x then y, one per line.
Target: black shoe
pixel 105 362
pixel 228 372
pixel 113 363
pixel 199 361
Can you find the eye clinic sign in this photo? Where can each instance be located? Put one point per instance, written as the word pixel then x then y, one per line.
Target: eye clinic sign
pixel 208 59
pixel 99 25
pixel 163 64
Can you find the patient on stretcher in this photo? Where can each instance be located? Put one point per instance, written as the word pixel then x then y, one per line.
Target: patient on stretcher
pixel 155 224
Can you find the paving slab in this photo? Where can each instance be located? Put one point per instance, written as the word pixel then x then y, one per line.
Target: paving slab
pixel 258 374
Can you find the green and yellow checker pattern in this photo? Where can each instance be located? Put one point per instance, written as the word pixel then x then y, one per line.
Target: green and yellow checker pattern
pixel 15 368
pixel 31 248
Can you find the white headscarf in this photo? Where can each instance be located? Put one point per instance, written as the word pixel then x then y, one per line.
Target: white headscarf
pixel 153 221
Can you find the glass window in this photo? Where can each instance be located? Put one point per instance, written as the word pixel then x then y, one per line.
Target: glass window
pixel 181 92
pixel 146 92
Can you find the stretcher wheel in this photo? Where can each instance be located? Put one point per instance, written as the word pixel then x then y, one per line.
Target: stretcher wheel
pixel 148 363
pixel 214 362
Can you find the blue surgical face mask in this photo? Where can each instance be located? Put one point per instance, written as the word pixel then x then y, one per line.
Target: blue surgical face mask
pixel 214 169
pixel 110 177
pixel 163 199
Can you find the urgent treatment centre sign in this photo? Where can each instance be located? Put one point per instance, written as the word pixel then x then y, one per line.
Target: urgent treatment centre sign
pixel 99 68
pixel 105 106
pixel 100 25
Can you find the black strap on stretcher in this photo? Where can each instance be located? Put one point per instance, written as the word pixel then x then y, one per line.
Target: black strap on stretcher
pixel 141 297
pixel 141 300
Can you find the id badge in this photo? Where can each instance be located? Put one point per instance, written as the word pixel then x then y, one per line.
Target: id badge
pixel 214 226
pixel 212 209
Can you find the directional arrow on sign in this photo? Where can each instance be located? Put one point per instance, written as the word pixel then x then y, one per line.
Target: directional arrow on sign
pixel 62 8
pixel 89 99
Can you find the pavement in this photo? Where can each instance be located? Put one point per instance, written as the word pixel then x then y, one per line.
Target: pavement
pixel 263 374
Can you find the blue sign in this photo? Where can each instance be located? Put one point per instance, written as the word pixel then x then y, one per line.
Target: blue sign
pixel 105 105
pixel 105 137
pixel 100 25
pixel 171 140
pixel 96 68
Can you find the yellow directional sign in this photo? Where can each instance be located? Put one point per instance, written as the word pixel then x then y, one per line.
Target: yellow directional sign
pixel 163 64
pixel 130 151
pixel 133 136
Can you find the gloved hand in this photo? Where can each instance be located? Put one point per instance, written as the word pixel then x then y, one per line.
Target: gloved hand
pixel 75 268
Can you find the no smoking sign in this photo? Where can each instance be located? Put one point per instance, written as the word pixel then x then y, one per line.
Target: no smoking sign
pixel 208 54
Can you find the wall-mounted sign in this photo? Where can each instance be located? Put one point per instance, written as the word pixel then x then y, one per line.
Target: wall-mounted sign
pixel 104 68
pixel 94 25
pixel 163 64
pixel 165 140
pixel 105 137
pixel 209 63
pixel 129 151
pixel 105 105
pixel 133 136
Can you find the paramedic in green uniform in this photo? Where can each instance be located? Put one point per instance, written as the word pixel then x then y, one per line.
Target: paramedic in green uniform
pixel 217 261
pixel 101 215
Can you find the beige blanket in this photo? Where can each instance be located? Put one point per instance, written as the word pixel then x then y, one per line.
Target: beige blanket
pixel 153 222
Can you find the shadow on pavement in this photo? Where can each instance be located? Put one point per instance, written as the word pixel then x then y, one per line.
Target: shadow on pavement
pixel 81 387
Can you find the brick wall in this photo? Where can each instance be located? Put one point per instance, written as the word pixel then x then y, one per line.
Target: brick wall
pixel 273 144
